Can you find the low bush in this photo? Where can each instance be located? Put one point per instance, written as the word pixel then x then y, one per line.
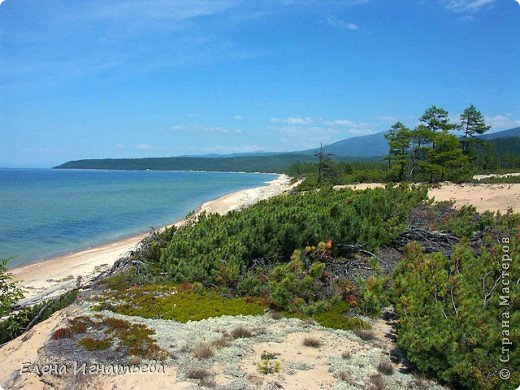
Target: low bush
pixel 312 342
pixel 364 334
pixel 203 351
pixel 241 332
pixel 452 313
pixel 16 324
pixel 385 367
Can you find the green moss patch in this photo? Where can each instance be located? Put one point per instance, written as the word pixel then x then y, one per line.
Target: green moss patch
pixel 168 302
pixel 334 317
pixel 91 344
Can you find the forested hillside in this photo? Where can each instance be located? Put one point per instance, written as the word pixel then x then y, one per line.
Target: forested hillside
pixel 275 163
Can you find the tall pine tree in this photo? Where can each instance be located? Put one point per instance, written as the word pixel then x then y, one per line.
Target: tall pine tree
pixel 472 123
pixel 398 143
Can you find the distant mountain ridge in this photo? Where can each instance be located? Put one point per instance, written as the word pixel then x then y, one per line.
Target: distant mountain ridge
pixel 502 134
pixel 375 145
pixel 367 147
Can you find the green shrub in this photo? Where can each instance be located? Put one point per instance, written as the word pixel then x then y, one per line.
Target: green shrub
pixel 16 324
pixel 219 249
pixel 374 294
pixel 451 316
pixel 10 292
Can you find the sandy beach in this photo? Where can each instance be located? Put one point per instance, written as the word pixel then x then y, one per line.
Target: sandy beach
pixel 52 277
pixel 485 197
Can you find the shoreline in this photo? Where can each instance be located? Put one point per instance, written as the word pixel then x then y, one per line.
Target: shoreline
pixel 52 277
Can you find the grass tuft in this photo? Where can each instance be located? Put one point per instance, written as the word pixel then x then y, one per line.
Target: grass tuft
pixel 222 342
pixel 203 351
pixel 385 368
pixel 240 332
pixel 198 373
pixel 346 355
pixel 312 342
pixel 377 382
pixel 203 375
pixel 364 334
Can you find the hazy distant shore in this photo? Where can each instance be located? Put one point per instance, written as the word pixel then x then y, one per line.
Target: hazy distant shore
pixel 53 276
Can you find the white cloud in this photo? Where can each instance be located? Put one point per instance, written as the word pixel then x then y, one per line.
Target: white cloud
pixel 144 146
pixel 466 5
pixel 518 1
pixel 205 129
pixel 120 146
pixel 502 122
pixel 1 1
pixel 342 24
pixel 238 117
pixel 323 130
pixel 294 120
pixel 176 10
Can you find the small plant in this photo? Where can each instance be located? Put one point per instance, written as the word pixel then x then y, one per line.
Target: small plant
pixel 116 324
pixel 203 351
pixel 346 355
pixel 312 342
pixel 208 382
pixel 222 341
pixel 268 366
pixel 268 355
pixel 80 324
pixel 344 376
pixel 377 382
pixel 241 332
pixel 275 315
pixel 385 368
pixel 198 373
pixel 62 333
pixel 91 344
pixel 134 360
pixel 364 334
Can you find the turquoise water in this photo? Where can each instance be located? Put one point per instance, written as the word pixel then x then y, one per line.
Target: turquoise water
pixel 45 212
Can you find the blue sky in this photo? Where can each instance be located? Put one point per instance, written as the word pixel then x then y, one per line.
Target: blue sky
pixel 94 79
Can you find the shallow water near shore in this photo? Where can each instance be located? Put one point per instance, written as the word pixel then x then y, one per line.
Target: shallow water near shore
pixel 45 212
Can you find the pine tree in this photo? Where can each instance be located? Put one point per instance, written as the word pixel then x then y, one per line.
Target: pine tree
pixel 325 165
pixel 447 158
pixel 472 123
pixel 436 120
pixel 399 143
pixel 419 141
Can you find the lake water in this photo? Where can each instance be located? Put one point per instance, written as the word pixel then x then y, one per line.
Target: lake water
pixel 45 212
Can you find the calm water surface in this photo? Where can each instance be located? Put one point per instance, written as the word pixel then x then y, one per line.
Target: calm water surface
pixel 45 212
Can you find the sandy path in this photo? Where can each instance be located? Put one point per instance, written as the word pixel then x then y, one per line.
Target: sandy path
pixel 485 197
pixel 51 277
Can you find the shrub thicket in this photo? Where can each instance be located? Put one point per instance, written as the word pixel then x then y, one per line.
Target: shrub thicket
pixel 218 249
pixel 453 316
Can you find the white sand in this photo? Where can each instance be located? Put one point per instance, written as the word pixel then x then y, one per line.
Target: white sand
pixel 485 197
pixel 52 277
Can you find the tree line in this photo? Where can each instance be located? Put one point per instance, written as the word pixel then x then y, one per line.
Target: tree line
pixel 431 151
